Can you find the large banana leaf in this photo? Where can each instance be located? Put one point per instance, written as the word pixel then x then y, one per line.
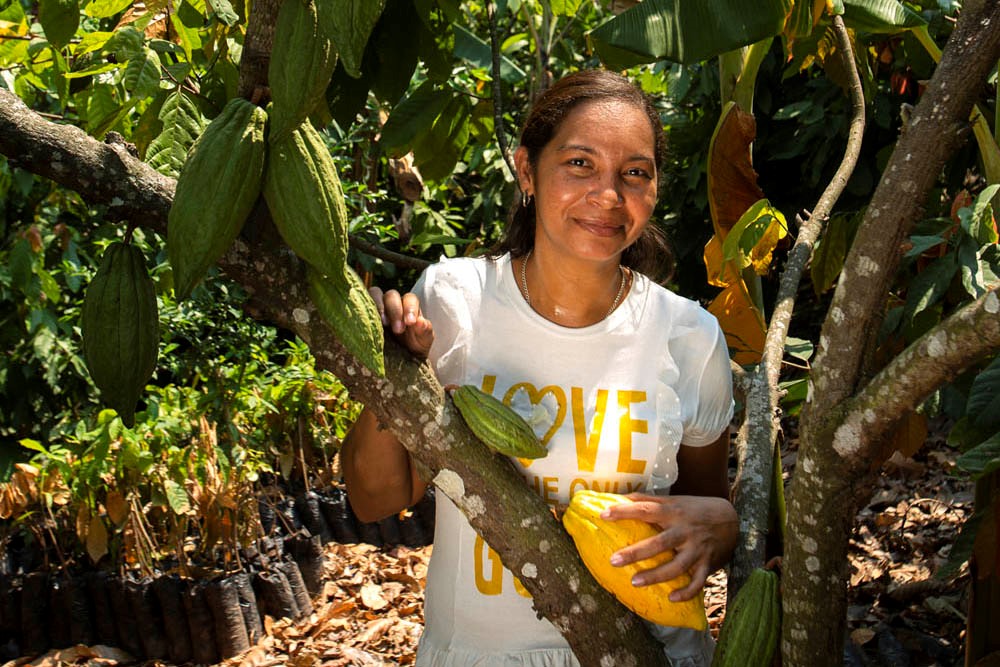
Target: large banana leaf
pixel 685 31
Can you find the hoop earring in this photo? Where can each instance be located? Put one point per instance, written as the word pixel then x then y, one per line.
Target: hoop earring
pixel 525 200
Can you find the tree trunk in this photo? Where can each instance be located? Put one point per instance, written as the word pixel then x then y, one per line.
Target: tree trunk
pixel 843 431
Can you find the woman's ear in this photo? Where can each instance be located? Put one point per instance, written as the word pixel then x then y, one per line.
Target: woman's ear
pixel 523 167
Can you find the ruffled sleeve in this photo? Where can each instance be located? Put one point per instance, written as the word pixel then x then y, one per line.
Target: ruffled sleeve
pixel 705 386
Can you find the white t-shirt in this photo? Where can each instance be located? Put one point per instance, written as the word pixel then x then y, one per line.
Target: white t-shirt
pixel 611 401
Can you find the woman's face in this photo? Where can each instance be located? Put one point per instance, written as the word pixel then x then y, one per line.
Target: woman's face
pixel 595 182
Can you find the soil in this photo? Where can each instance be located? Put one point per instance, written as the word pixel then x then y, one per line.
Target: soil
pixel 370 610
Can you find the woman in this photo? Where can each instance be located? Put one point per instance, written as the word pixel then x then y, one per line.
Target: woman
pixel 627 383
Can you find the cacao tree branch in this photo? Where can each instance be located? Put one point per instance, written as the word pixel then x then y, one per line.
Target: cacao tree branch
pixel 758 434
pixel 257 48
pixel 827 487
pixel 375 250
pixel 937 357
pixel 409 400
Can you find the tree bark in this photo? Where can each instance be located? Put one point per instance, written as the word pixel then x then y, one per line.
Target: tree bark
pixel 842 428
pixel 758 434
pixel 409 400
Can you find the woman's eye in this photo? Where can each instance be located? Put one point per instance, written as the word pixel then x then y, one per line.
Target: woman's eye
pixel 577 162
pixel 637 172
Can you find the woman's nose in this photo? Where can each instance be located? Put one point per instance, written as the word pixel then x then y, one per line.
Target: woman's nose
pixel 606 194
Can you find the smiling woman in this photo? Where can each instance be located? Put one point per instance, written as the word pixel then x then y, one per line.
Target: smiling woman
pixel 625 383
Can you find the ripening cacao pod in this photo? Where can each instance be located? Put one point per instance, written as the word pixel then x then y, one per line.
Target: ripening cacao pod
pixel 596 539
pixel 348 308
pixel 303 194
pixel 496 424
pixel 752 626
pixel 216 190
pixel 302 61
pixel 120 327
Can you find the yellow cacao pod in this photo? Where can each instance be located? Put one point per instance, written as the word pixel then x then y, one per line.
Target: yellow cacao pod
pixel 596 539
pixel 302 61
pixel 348 308
pixel 752 626
pixel 305 199
pixel 216 190
pixel 496 424
pixel 120 328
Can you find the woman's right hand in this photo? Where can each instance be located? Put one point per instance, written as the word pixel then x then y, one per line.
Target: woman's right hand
pixel 402 315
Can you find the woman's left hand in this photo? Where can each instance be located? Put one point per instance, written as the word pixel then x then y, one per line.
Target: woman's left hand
pixel 700 530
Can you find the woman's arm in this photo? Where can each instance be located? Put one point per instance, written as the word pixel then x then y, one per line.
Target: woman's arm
pixel 380 476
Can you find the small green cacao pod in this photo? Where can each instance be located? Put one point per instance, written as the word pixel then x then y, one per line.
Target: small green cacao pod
pixel 752 627
pixel 120 326
pixel 303 194
pixel 348 308
pixel 496 424
pixel 302 61
pixel 216 190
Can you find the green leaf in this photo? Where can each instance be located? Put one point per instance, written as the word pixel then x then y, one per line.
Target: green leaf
pixel 799 348
pixel 973 279
pixel 350 24
pixel 224 12
pixel 684 32
pixel 982 459
pixel 125 44
pixel 984 397
pixel 32 445
pixel 182 125
pixel 965 544
pixel 91 41
pixel 880 16
pixel 565 7
pixel 921 244
pixel 437 152
pixel 414 115
pixel 142 74
pixel 102 9
pixel 177 497
pixel 828 258
pixel 929 285
pixel 977 220
pixel 21 261
pixel 474 50
pixel 59 19
pixel 97 68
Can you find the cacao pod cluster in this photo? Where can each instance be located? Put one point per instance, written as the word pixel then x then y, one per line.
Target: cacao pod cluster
pixel 596 539
pixel 120 328
pixel 496 424
pixel 247 152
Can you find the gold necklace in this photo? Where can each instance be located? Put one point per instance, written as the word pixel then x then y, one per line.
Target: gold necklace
pixel 527 296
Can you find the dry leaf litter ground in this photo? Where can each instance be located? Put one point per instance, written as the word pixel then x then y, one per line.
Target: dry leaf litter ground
pixel 370 611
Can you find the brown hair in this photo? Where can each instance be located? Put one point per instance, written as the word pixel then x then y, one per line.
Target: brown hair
pixel 650 253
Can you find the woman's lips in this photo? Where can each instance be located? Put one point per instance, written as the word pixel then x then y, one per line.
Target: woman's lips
pixel 601 229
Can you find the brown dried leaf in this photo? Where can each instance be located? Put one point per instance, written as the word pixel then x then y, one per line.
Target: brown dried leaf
pixel 117 507
pixel 732 180
pixel 97 539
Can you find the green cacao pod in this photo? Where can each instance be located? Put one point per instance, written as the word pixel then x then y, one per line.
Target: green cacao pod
pixel 216 190
pixel 496 424
pixel 303 193
pixel 596 539
pixel 302 61
pixel 120 327
pixel 752 627
pixel 348 308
